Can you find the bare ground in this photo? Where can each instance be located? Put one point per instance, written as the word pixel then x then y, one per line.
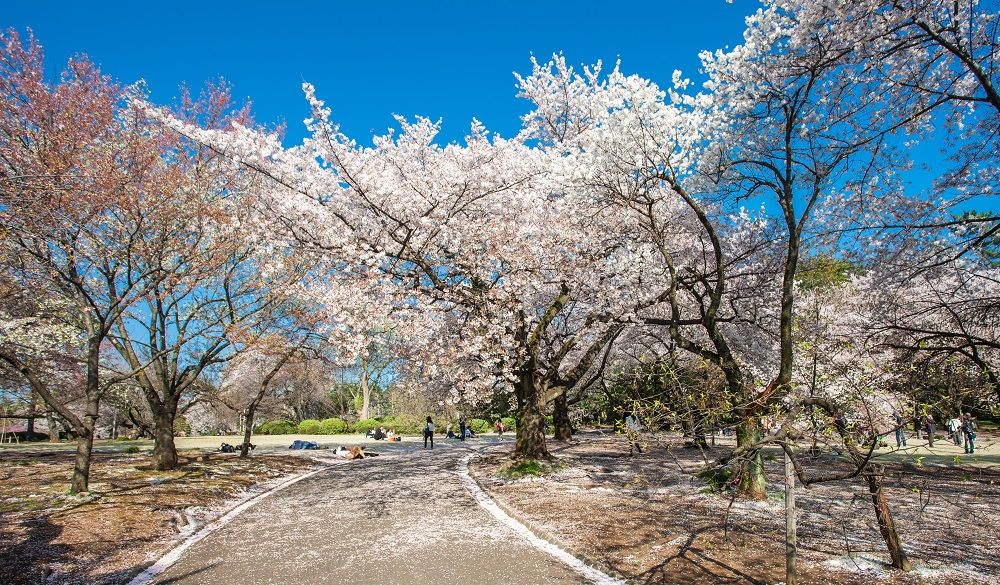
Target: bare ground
pixel 131 516
pixel 646 520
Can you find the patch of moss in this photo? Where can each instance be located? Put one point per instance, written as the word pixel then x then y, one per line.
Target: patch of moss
pixel 530 468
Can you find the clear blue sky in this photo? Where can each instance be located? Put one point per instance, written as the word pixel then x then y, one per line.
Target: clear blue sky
pixel 368 60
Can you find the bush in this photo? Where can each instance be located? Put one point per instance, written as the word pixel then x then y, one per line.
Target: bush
pixel 310 426
pixel 333 426
pixel 366 424
pixel 404 424
pixel 479 425
pixel 181 425
pixel 717 480
pixel 277 427
pixel 509 423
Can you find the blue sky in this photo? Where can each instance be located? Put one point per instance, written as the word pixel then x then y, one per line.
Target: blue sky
pixel 445 59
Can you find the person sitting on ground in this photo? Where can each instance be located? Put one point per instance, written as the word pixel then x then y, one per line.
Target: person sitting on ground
pixel 469 433
pixel 379 434
pixel 370 434
pixel 390 434
pixel 354 452
pixel 451 434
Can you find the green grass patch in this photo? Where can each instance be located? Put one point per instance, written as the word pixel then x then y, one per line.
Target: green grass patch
pixel 530 468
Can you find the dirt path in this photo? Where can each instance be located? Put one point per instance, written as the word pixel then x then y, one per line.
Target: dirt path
pixel 401 518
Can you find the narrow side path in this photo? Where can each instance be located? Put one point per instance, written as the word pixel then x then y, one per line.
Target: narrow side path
pixel 404 518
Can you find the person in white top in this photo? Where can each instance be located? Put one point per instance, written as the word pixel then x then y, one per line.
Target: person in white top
pixel 955 428
pixel 632 429
pixel 429 432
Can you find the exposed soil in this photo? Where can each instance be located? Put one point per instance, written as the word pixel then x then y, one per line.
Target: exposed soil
pixel 645 519
pixel 131 516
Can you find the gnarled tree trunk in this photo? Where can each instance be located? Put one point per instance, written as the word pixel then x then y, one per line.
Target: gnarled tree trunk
pixel 560 418
pixel 752 481
pixel 886 525
pixel 164 450
pixel 53 429
pixel 85 444
pixel 529 437
pixel 248 430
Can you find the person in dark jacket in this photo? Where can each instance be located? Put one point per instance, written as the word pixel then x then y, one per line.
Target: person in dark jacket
pixel 429 432
pixel 929 427
pixel 461 427
pixel 900 433
pixel 969 430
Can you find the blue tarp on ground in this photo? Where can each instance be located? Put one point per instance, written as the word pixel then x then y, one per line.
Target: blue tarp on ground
pixel 303 445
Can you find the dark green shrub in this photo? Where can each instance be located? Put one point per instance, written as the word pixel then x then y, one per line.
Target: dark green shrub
pixel 366 424
pixel 277 427
pixel 310 426
pixel 181 425
pixel 479 425
pixel 717 480
pixel 332 426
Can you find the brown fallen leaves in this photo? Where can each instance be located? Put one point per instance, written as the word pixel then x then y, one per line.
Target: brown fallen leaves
pixel 131 515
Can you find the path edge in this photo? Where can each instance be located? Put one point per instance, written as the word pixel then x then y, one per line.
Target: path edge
pixel 171 556
pixel 594 570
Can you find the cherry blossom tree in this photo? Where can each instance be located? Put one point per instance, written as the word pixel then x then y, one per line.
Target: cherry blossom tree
pixel 68 166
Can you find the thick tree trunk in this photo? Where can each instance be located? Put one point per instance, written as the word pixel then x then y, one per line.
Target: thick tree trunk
pixel 164 450
pixel 560 418
pixel 752 481
pixel 886 525
pixel 529 437
pixel 247 431
pixel 84 427
pixel 84 447
pixel 53 429
pixel 81 463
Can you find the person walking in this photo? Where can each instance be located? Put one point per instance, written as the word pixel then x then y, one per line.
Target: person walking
pixel 929 428
pixel 900 432
pixel 955 429
pixel 632 429
pixel 969 430
pixel 499 428
pixel 429 432
pixel 461 427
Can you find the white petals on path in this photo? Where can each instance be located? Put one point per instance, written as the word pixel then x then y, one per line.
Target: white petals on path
pixel 171 557
pixel 594 575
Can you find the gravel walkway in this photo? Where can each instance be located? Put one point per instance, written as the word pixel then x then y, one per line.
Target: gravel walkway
pixel 404 517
